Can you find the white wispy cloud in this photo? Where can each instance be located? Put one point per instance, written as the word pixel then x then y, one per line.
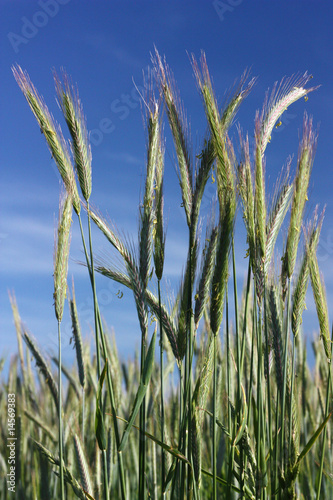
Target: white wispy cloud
pixel 27 246
pixel 17 195
pixel 123 157
pixel 24 249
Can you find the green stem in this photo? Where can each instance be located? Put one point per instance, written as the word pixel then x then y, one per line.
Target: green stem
pixel 248 284
pixel 259 398
pixel 214 421
pixel 110 386
pixel 187 404
pixel 98 331
pixel 270 427
pixel 328 391
pixel 228 357
pixel 284 388
pixel 250 385
pixel 190 355
pixel 162 391
pixel 61 458
pixel 239 363
pixel 142 443
pixel 184 434
pixel 93 284
pixel 178 468
pixel 84 245
pixel 237 330
pixel 83 412
pixel 114 412
pixel 276 449
pixel 291 394
pixel 231 448
pixel 105 476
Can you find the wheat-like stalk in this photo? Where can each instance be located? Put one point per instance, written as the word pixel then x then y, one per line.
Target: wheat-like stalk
pixel 282 96
pixel 71 106
pixel 147 211
pixel 276 219
pixel 218 128
pixel 221 268
pixel 246 191
pixel 276 332
pixel 319 294
pixel 71 379
pixel 82 465
pixel 205 161
pixel 312 237
pixel 42 425
pixel 169 326
pixel 203 288
pixel 179 127
pixel 77 338
pixel 138 288
pixel 42 365
pixel 70 479
pixel 304 166
pixel 60 289
pixel 240 417
pixel 185 292
pixel 61 257
pixel 260 194
pixel 18 329
pixel 52 133
pixel 200 396
pixel 158 228
pixel 109 233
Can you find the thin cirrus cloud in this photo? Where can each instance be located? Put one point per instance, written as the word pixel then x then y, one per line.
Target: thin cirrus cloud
pixel 28 223
pixel 123 157
pixel 25 245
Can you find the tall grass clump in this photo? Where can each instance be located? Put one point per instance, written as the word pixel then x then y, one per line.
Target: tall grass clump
pixel 223 407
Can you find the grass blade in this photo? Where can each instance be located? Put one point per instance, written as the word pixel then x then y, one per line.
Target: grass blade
pixel 144 382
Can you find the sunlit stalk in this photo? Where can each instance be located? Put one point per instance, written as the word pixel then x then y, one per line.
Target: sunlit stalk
pixel 110 387
pixel 61 457
pixel 214 421
pixel 162 393
pixel 284 390
pixel 328 396
pixel 239 362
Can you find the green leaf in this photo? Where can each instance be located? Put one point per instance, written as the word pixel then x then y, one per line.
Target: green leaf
pixel 149 361
pixel 312 440
pixel 241 429
pixel 99 419
pixel 219 423
pixel 170 449
pixel 147 371
pixel 247 491
pixel 170 474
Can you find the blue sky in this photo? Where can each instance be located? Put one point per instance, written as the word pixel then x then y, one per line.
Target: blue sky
pixel 105 46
